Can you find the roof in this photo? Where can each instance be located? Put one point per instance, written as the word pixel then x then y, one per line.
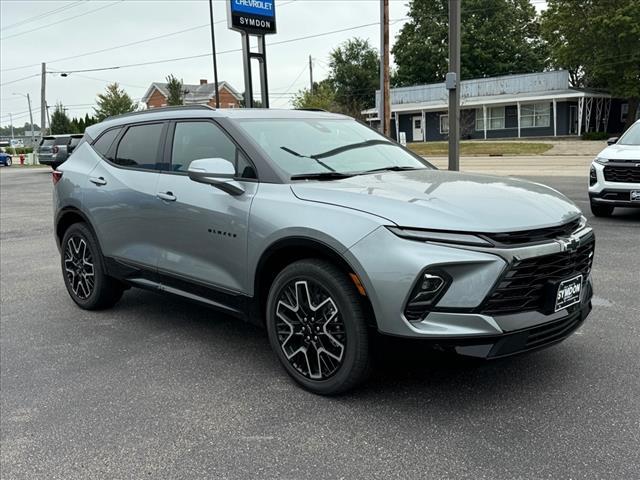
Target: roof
pixel 196 93
pixel 202 111
pixel 509 89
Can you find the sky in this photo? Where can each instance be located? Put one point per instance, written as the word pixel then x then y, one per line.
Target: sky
pixel 35 31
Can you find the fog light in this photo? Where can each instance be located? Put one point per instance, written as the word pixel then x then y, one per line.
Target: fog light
pixel 593 178
pixel 429 287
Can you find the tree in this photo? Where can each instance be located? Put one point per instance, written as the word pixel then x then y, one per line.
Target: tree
pixel 498 37
pixel 599 43
pixel 115 101
pixel 354 75
pixel 89 120
pixel 323 97
pixel 60 122
pixel 176 91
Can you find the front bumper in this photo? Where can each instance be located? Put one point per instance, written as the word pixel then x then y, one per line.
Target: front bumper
pixel 388 266
pixel 616 194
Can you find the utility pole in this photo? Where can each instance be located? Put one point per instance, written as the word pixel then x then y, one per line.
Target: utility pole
pixel 385 105
pixel 11 123
pixel 48 117
pixel 453 85
pixel 310 74
pixel 43 100
pixel 33 141
pixel 213 50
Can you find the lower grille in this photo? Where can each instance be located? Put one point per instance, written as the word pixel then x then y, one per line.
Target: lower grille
pixel 630 174
pixel 522 288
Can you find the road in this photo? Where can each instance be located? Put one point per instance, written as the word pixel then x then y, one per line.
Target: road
pixel 160 388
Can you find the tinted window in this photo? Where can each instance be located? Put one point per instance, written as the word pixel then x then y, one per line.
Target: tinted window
pixel 75 141
pixel 61 141
pixel 139 146
pixel 103 143
pixel 196 140
pixel 47 142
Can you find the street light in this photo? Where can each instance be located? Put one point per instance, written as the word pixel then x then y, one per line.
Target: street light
pixel 33 139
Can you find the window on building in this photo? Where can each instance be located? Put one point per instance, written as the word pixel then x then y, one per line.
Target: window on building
pixel 444 124
pixel 535 115
pixel 624 112
pixel 495 118
pixel 139 147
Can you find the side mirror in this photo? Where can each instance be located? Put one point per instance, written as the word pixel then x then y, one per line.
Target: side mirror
pixel 216 172
pixel 612 140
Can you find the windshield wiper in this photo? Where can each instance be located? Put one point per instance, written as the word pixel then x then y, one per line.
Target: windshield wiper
pixel 310 157
pixel 394 168
pixel 352 146
pixel 322 176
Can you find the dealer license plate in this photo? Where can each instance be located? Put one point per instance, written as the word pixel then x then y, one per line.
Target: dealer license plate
pixel 569 292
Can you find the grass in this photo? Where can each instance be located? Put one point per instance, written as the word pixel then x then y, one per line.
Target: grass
pixel 481 148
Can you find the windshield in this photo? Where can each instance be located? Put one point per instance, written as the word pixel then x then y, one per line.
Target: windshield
pixel 310 146
pixel 631 136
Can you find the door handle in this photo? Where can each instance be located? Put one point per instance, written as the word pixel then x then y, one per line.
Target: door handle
pixel 98 181
pixel 167 196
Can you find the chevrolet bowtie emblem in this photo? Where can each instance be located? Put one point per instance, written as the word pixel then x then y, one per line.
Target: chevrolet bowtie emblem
pixel 569 244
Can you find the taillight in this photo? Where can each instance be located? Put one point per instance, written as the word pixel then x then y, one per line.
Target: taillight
pixel 55 149
pixel 56 175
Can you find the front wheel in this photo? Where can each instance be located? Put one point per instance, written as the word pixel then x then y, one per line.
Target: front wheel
pixel 83 270
pixel 317 328
pixel 8 162
pixel 601 210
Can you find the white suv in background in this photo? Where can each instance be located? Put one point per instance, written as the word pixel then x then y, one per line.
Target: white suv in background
pixel 614 179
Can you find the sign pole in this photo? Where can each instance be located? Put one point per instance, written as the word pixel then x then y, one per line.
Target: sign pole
pixel 264 86
pixel 213 51
pixel 246 62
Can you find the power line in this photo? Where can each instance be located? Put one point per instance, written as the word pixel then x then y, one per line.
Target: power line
pixel 19 79
pixel 137 42
pixel 45 14
pixel 60 21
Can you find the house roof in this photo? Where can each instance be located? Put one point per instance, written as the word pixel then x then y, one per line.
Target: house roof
pixel 502 90
pixel 196 93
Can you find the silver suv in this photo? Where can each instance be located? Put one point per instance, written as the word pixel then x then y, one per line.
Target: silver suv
pixel 321 229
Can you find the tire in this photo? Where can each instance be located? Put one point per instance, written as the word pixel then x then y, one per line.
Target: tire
pixel 601 210
pixel 8 162
pixel 54 166
pixel 301 292
pixel 84 273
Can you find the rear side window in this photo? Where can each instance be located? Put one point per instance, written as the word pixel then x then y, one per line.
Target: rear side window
pixel 61 141
pixel 47 142
pixel 139 147
pixel 75 141
pixel 104 142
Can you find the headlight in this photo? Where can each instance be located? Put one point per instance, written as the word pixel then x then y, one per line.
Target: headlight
pixel 593 179
pixel 601 160
pixel 429 288
pixel 440 236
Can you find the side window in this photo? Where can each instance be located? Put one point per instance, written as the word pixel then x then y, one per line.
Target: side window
pixel 139 146
pixel 104 142
pixel 196 140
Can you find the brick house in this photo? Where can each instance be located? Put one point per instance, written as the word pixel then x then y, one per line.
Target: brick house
pixel 202 94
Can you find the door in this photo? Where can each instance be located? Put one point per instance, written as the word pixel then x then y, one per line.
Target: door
pixel 573 120
pixel 417 128
pixel 204 230
pixel 121 193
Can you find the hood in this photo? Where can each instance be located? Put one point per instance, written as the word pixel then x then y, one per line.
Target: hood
pixel 621 152
pixel 442 200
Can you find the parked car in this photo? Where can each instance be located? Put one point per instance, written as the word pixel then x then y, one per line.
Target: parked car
pixel 323 230
pixel 614 178
pixel 55 149
pixel 5 158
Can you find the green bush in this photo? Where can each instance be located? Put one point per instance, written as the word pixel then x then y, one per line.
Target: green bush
pixel 596 136
pixel 18 150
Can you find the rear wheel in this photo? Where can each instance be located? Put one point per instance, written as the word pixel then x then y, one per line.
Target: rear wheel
pixel 316 326
pixel 8 162
pixel 601 210
pixel 83 270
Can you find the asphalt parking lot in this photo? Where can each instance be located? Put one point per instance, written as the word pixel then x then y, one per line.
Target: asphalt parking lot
pixel 160 388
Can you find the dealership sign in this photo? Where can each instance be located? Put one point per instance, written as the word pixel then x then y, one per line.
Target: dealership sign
pixel 257 17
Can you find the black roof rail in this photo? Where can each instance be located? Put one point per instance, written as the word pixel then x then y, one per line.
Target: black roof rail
pixel 312 110
pixel 162 109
